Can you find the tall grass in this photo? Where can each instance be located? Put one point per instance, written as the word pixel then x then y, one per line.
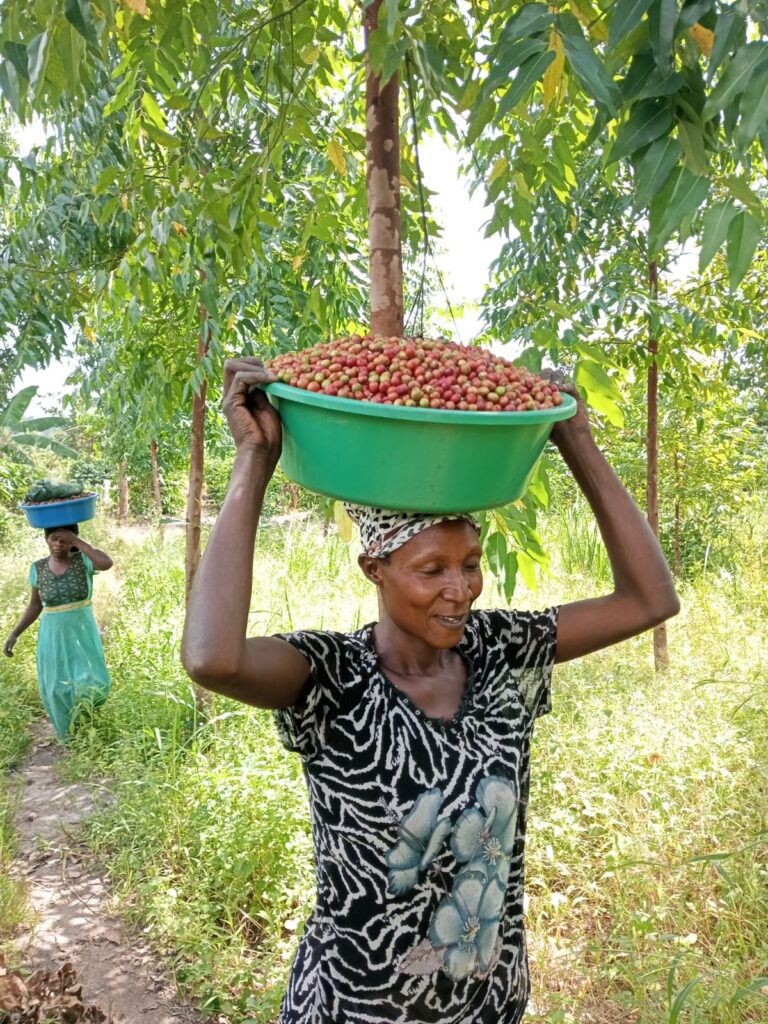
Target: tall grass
pixel 647 874
pixel 19 707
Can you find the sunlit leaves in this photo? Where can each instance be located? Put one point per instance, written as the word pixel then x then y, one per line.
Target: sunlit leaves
pixel 553 76
pixel 743 236
pixel 717 221
pixel 602 391
pixel 682 195
pixel 587 67
pixel 653 169
pixel 748 61
pixel 662 19
pixel 626 15
pixel 646 122
pixel 525 79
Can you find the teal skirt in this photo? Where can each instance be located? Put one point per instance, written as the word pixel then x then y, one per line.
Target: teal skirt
pixel 71 670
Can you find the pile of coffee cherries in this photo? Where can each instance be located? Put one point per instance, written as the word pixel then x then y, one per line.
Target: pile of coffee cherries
pixel 415 371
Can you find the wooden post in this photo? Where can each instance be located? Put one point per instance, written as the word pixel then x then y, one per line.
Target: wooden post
pixel 382 149
pixel 196 463
pixel 122 492
pixel 660 648
pixel 156 478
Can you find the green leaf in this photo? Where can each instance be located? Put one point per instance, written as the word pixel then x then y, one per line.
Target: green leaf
pixel 391 9
pixel 161 137
pixel 78 13
pixel 43 441
pixel 740 190
pixel 626 15
pixel 510 575
pixel 681 999
pixel 16 53
pixel 662 18
pixel 682 195
pixel 152 110
pixel 496 553
pixel 653 169
pixel 9 86
pixel 716 222
pixel 753 109
pixel 602 392
pixel 511 57
pixel 736 77
pixel 18 405
pixel 587 67
pixel 529 20
pixel 692 140
pixel 39 423
pixel 525 79
pixel 693 11
pixel 646 122
pixel 527 568
pixel 743 236
pixel 745 990
pixel 37 53
pixel 730 25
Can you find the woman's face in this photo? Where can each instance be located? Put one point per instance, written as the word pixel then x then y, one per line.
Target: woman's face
pixel 59 543
pixel 428 586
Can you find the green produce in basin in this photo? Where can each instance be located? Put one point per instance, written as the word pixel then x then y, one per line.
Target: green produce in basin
pixel 436 453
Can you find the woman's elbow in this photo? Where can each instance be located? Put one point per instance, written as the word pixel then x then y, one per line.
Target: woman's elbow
pixel 666 607
pixel 206 668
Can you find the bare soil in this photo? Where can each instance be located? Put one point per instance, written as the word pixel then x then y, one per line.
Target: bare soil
pixel 68 894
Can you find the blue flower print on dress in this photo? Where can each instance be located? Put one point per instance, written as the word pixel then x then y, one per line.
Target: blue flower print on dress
pixel 421 837
pixel 484 841
pixel 466 925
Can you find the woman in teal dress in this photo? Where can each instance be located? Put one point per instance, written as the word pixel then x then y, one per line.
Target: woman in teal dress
pixel 71 670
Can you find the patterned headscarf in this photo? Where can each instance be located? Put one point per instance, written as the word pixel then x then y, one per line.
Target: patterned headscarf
pixel 382 530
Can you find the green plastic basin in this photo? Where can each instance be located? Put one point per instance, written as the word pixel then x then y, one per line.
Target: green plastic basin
pixel 410 459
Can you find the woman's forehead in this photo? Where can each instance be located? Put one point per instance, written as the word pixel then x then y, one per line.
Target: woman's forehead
pixel 456 537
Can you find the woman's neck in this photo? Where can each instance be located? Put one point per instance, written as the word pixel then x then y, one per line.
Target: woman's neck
pixel 407 655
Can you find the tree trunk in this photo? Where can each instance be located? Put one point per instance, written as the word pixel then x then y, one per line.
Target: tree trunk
pixel 382 149
pixel 156 478
pixel 660 650
pixel 122 492
pixel 196 464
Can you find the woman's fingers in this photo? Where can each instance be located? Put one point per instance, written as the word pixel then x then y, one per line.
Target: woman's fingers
pixel 243 381
pixel 246 364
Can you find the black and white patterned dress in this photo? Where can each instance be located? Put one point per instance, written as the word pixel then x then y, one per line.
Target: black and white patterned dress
pixel 419 830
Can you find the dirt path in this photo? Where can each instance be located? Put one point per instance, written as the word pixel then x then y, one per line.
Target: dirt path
pixel 67 891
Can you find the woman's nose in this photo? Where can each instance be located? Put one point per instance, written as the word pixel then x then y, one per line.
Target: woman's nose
pixel 457 586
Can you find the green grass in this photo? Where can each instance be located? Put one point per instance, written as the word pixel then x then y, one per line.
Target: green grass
pixel 19 707
pixel 647 867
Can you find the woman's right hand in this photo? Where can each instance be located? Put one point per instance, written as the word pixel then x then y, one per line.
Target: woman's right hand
pixel 9 645
pixel 253 421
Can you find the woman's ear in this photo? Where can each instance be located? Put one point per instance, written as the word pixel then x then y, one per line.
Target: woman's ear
pixel 371 568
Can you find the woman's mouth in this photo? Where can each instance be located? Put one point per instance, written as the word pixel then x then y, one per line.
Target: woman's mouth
pixel 452 621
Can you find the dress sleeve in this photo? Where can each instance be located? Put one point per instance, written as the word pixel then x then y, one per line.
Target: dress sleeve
pixel 530 642
pixel 32 575
pixel 89 567
pixel 303 726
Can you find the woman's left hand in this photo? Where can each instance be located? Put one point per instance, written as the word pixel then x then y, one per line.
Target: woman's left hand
pixel 577 426
pixel 68 537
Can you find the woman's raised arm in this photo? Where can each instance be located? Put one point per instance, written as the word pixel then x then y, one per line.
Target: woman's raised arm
pixel 644 592
pixel 215 651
